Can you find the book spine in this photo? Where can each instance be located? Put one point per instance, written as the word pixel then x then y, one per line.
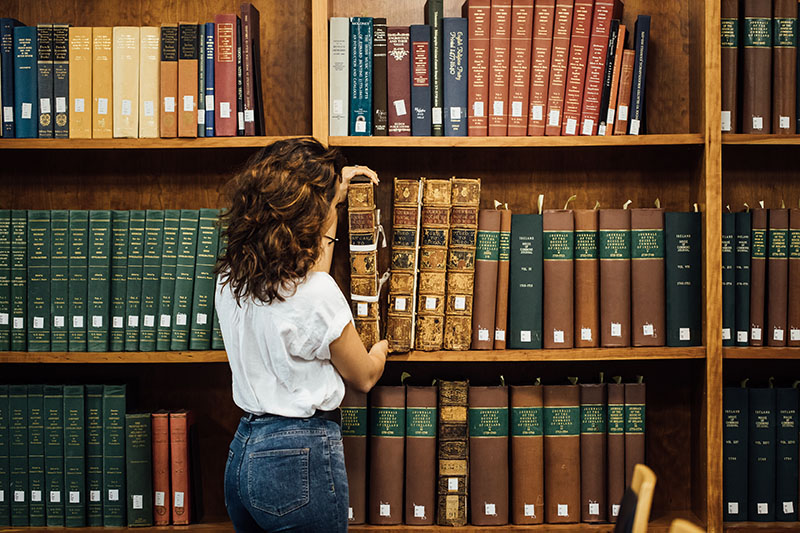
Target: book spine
pixel 793 312
pixel 615 277
pixel 26 104
pixel 479 27
pixel 7 75
pixel 169 80
pixel 728 278
pixel 361 76
pixel 777 277
pixel 786 471
pixel 614 94
pixel 36 477
pixel 616 448
pixel 18 455
pixel 595 67
pixel 647 277
pixel 61 122
pixel 78 279
pixel 500 44
pixel 420 465
pixel 94 455
pixel 74 456
pixel 339 72
pixel 624 97
pixel 188 55
pixel 576 71
pixel 761 448
pixel 354 439
pixel 80 83
pixel 729 37
pixel 255 34
pixel 120 221
pixel 151 279
pixel 133 288
pixel 184 279
pixel 519 66
pixel 217 342
pixel 562 456
pixel 608 79
pixel 5 279
pixel 239 79
pixel 19 279
pixel 742 307
pixel 434 13
pixel 224 58
pixel 527 491
pixel 587 280
pixel 201 80
pixel 542 47
pixel 503 270
pixel 562 32
pixel 125 66
pixel 387 443
pixel 453 450
pixel 113 456
pixel 102 83
pixel 525 283
pixel 362 218
pixel 734 454
pixel 593 452
pixel 488 455
pixel 379 78
pixel 455 76
pixel 758 275
pixel 635 418
pixel 641 36
pixel 161 468
pixel 784 61
pixel 398 75
pixel 757 67
pixel 138 469
pixel 99 281
pixel 38 281
pixel 485 293
pixel 5 481
pixel 169 261
pixel 149 81
pixel 247 71
pixel 559 247
pixel 420 40
pixel 683 270
pixel 54 455
pixel 44 67
pixel 203 293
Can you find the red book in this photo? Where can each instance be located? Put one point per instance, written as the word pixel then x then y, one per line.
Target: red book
pixel 225 75
pixel 598 50
pixel 398 76
pixel 500 43
pixel 161 468
pixel 478 20
pixel 540 64
pixel 576 72
pixel 520 62
pixel 562 28
pixel 179 424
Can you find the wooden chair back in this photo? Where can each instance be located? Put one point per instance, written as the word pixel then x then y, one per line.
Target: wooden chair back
pixel 643 484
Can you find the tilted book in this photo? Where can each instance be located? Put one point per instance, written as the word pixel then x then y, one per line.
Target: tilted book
pixel 624 94
pixel 608 77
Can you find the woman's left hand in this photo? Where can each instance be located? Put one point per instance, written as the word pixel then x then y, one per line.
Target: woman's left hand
pixel 348 173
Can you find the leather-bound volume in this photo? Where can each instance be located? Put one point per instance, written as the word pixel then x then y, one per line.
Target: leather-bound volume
pixel 180 427
pixel 503 271
pixel 595 66
pixel 793 319
pixel 608 78
pixel 542 47
pixel 634 428
pixel 562 454
pixel 576 71
pixel 527 462
pixel 400 317
pixel 387 428
pixel 485 295
pixel 742 306
pixel 615 277
pixel 169 80
pixel 435 230
pixel 398 80
pixel 593 452
pixel 784 65
pixel 624 96
pixel 453 452
pixel 364 288
pixel 188 55
pixel 354 440
pixel 562 31
pixel 729 36
pixel 225 75
pixel 758 275
pixel 587 279
pixel 161 468
pixel 488 455
pixel 757 66
pixel 647 277
pixel 466 194
pixel 500 43
pixel 478 14
pixel 379 81
pixel 613 97
pixel 616 448
pixel 777 277
pixel 519 65
pixel 420 474
pixel 558 228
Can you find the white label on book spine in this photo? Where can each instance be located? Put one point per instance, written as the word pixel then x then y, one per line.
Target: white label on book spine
pixel 209 102
pixel 419 511
pixel 61 104
pixel 113 495
pixel 601 130
pixel 44 105
pixel 616 329
pixel 635 124
pixel 97 321
pixel 137 501
pixel 563 509
pixel 149 321
pixel 594 509
pixel 741 336
pixel 4 319
pixel 436 115
pixel 758 124
pixel 555 118
pixel 525 336
pixel 500 335
pixel 623 112
pixel 19 323
pixel 180 319
pixel 127 108
pixel 610 117
pixel 685 334
pixel 386 509
pixel 350 515
pixel 733 507
pixel 572 125
pixel 483 334
pixel 777 334
pixel 38 322
pixel 8 114
pixel 647 330
pixel 36 495
pixel 725 119
pixel 27 107
pixel 497 108
pixel 452 484
pixel 362 309
pixel 615 509
pixel 455 113
pixel 149 108
pixel 794 334
pixel 558 336
pixel 240 118
pixel 588 125
pixel 788 507
pixel 399 106
pixel 250 115
pixel 55 496
pixel 117 322
pixel 338 107
pixel 477 109
pixel 201 319
pixel 784 123
pixel 77 321
pixel 169 104
pixel 188 102
pixel 19 496
pixel 755 334
pixel 460 303
pixel 165 321
pixel 79 105
pixel 400 304
pixel 586 334
pixel 490 509
pixel 726 334
pixel 74 496
pixel 360 127
pixel 762 508
pixel 201 116
pixel 133 321
pixel 94 495
pixel 529 510
pixel 516 109
pixel 178 499
pixel 102 106
pixel 224 110
pixel 538 112
pixel 430 303
pixel 160 498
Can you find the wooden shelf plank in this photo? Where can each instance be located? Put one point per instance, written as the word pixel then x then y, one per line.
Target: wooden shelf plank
pixel 199 356
pixel 760 352
pixel 761 527
pixel 754 139
pixel 518 142
pixel 139 144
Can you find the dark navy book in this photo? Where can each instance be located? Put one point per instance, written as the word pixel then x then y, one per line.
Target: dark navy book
pixel 420 44
pixel 455 76
pixel 641 34
pixel 26 109
pixel 734 454
pixel 786 455
pixel 7 26
pixel 761 456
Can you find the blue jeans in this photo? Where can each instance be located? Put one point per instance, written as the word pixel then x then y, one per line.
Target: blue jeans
pixel 286 474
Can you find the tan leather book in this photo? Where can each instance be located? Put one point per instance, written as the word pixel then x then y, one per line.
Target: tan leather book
pixel 758 275
pixel 354 440
pixel 793 320
pixel 102 89
pixel 616 448
pixel 453 445
pixel 558 226
pixel 161 469
pixel 364 288
pixel 485 293
pixel 527 463
pixel 420 473
pixel 593 452
pixel 80 83
pixel 188 55
pixel 587 279
pixel 562 454
pixel 648 306
pixel 386 452
pixel 615 277
pixel 126 81
pixel 503 271
pixel 757 37
pixel 488 455
pixel 624 96
pixel 149 83
pixel 777 277
pixel 169 80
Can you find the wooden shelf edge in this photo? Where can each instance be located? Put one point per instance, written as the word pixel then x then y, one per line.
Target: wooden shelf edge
pixel 519 142
pixel 760 352
pixel 199 356
pixel 576 354
pixel 140 144
pixel 753 139
pixel 762 527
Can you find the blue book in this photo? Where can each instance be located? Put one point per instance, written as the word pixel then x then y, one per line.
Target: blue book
pixel 7 67
pixel 26 108
pixel 210 54
pixel 641 35
pixel 420 45
pixel 455 76
pixel 201 81
pixel 361 76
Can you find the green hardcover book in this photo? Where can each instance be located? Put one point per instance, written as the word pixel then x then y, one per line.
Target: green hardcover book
pixel 217 342
pixel 434 11
pixel 139 469
pixel 38 281
pixel 133 298
pixel 54 454
pixel 169 261
pixel 36 480
pixel 99 289
pixel 18 454
pixel 59 280
pixel 19 279
pixel 203 294
pixel 728 279
pixel 5 495
pixel 113 455
pixel 94 455
pixel 78 275
pixel 742 261
pixel 119 279
pixel 184 279
pixel 5 280
pixel 74 457
pixel 683 239
pixel 525 282
pixel 151 279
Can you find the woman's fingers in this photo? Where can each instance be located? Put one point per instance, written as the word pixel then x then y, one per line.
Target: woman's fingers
pixel 348 173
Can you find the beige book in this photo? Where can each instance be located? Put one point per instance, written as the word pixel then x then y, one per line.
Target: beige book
pixel 80 83
pixel 149 81
pixel 126 81
pixel 101 83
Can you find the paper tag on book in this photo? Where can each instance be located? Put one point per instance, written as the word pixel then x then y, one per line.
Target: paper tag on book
pixel 490 509
pixel 594 509
pixel 794 334
pixel 399 107
pixel 784 123
pixel 563 509
pixel 250 116
pixel 430 302
pixel 160 498
pixel 758 124
pixel 460 303
pixel 36 495
pixel 201 319
pixel 362 309
pixel 601 130
pixel 436 115
pixel 169 104
pixel 615 509
pixel 497 108
pixel 61 104
pixel 74 496
pixel 55 496
pixel 647 330
pixel 452 484
pixel 178 499
pixel 180 319
pixel 477 109
pixel 616 329
pixel 77 321
pixel 18 323
pixel 4 319
pixel 225 110
pixel 350 515
pixel 525 336
pixel 623 112
pixel 586 334
pixel 94 495
pixel 79 105
pixel 529 510
pixel 777 334
pixel 133 321
pixel 726 334
pixel 558 336
pixel 201 116
pixel 755 334
pixel 240 119
pixel 788 507
pixel 483 334
pixel 188 102
pixel 165 321
pixel 725 120
pixel 500 335
pixel 149 321
pixel 113 495
pixel 400 304
pixel 635 125
pixel 8 114
pixel 610 117
pixel 44 105
pixel 455 113
pixel 137 501
pixel 572 125
pixel 588 125
pixel 516 109
pixel 209 102
pixel 555 118
pixel 685 334
pixel 385 509
pixel 360 126
pixel 537 111
pixel 38 322
pixel 27 108
pixel 97 321
pixel 127 108
pixel 419 511
pixel 19 496
pixel 733 507
pixel 117 322
pixel 102 106
pixel 337 106
pixel 762 508
pixel 149 108
pixel 741 336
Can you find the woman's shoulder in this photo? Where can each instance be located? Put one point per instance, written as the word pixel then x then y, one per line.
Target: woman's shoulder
pixel 319 285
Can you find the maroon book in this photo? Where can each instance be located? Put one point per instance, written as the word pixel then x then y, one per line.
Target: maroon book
pixel 478 14
pixel 500 43
pixel 398 75
pixel 576 72
pixel 225 75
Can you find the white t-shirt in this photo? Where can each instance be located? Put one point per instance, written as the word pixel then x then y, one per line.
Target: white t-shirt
pixel 279 352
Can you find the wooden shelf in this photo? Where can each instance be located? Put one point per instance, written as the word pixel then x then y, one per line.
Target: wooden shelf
pixel 518 142
pixel 138 144
pixel 752 139
pixel 199 356
pixel 576 354
pixel 761 527
pixel 216 525
pixel 760 352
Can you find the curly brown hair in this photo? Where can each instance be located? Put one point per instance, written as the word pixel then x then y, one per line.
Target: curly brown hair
pixel 277 207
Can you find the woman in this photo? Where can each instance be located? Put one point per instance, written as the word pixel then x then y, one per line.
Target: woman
pixel 290 339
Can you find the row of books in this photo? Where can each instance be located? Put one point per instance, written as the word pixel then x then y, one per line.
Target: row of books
pixel 507 67
pixel 71 456
pixel 760 454
pixel 177 80
pixel 527 454
pixel 759 66
pixel 108 280
pixel 761 277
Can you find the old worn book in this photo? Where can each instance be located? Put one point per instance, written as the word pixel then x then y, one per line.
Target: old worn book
pixel 80 83
pixel 525 283
pixel 387 445
pixel 125 65
pixel 729 58
pixel 616 448
pixel 526 430
pixel 761 449
pixel 503 270
pixel 486 264
pixel 587 279
pixel 364 289
pixel 757 66
pixel 161 468
pixel 398 74
pixel 635 407
pixel 420 465
pixel 758 275
pixel 593 452
pixel 777 277
pixel 728 278
pixel 519 66
pixel 786 454
pixel 354 439
pixel 784 66
pixel 615 277
pixel 793 312
pixel 624 94
pixel 488 455
pixel 562 455
pixel 453 452
pixel 562 30
pixel 734 454
pixel 683 259
pixel 647 277
pixel 742 247
pixel 168 115
pixel 542 46
pixel 500 44
pixel 379 95
pixel 576 70
pixel 558 245
pixel 478 14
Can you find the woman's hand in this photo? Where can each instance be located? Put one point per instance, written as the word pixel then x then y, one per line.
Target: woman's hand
pixel 348 173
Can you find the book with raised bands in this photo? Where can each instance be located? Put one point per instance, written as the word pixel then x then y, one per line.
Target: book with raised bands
pixel 777 277
pixel 453 475
pixel 757 67
pixel 364 290
pixel 526 430
pixel 387 429
pixel 562 454
pixel 488 455
pixel 420 466
pixel 354 439
pixel 486 264
pixel 559 237
pixel 587 279
pixel 615 277
pixel 647 277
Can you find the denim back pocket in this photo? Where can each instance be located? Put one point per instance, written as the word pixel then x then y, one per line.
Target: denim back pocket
pixel 277 480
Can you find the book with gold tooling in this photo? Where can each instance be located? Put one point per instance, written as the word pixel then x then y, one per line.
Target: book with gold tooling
pixel 364 261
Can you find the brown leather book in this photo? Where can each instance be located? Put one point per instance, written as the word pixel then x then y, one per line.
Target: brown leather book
pixel 161 468
pixel 453 446
pixel 485 295
pixel 794 278
pixel 354 439
pixel 758 275
pixel 558 226
pixel 562 30
pixel 730 35
pixel 616 448
pixel 225 74
pixel 181 498
pixel 613 101
pixel 587 279
pixel 527 462
pixel 784 60
pixel 169 80
pixel 420 495
pixel 778 277
pixel 488 455
pixel 757 66
pixel 364 261
pixel 387 428
pixel 542 47
pixel 188 55
pixel 478 14
pixel 562 454
pixel 595 67
pixel 593 452
pixel 615 277
pixel 503 266
pixel 519 66
pixel 648 304
pixel 576 72
pixel 624 96
pixel 500 43
pixel 635 407
pixel 398 75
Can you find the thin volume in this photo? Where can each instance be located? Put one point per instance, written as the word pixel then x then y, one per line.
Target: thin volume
pixel 499 67
pixel 544 16
pixel 387 428
pixel 758 275
pixel 488 455
pixel 624 96
pixel 593 452
pixel 728 279
pixel 616 448
pixel 486 264
pixel 379 80
pixel 641 36
pixel 608 77
pixel 729 36
pixel 558 276
pixel 613 97
pixel 742 252
pixel 562 455
pixel 562 30
pixel 576 72
pixel 527 462
pixel 434 13
pixel 793 319
pixel 757 66
pixel 354 439
pixel 420 465
pixel 647 277
pixel 784 62
pixel 503 271
pixel 777 277
pixel 587 279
